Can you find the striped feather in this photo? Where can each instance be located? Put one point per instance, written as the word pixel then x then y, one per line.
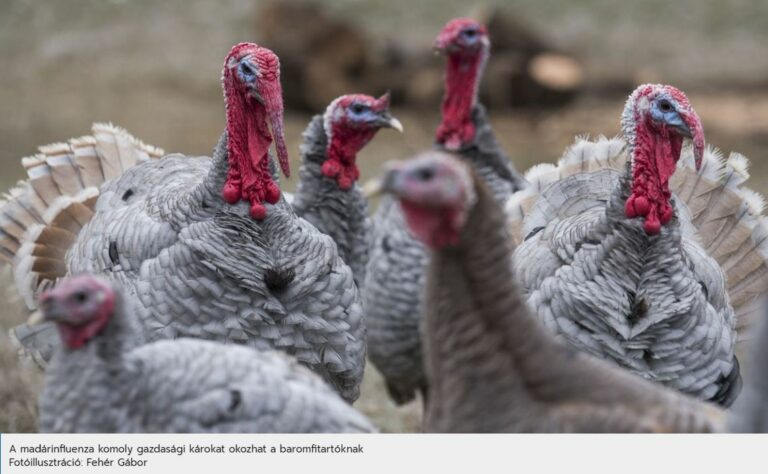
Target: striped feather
pixel 41 217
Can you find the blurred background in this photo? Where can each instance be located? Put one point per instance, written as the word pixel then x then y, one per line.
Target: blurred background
pixel 558 69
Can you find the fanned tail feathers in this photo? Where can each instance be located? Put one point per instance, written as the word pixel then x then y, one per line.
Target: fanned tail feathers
pixel 35 343
pixel 41 217
pixel 731 227
pixel 583 156
pixel 726 214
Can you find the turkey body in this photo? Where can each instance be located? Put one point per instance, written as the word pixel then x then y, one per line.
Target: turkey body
pixel 203 248
pixel 644 252
pixel 196 266
pixel 394 286
pixel 491 365
pixel 340 214
pixel 189 386
pixel 656 305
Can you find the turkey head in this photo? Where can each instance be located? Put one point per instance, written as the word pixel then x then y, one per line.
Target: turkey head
pixel 80 306
pixel 655 121
pixel 466 45
pixel 436 193
pixel 251 80
pixel 350 122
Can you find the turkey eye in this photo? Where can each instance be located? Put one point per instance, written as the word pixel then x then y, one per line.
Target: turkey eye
pixel 470 33
pixel 424 174
pixel 665 106
pixel 247 70
pixel 358 108
pixel 80 297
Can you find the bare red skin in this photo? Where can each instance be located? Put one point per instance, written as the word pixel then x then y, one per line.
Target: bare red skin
pixel 79 325
pixel 347 139
pixel 655 160
pixel 249 137
pixel 436 227
pixel 656 152
pixel 462 72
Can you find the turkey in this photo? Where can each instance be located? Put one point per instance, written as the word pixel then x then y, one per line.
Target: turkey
pixel 99 382
pixel 492 367
pixel 203 248
pixel 750 411
pixel 327 195
pixel 395 274
pixel 643 252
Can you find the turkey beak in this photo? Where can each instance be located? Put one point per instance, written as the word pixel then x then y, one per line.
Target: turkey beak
pixel 684 130
pixel 51 310
pixel 384 184
pixel 373 188
pixel 36 318
pixel 388 121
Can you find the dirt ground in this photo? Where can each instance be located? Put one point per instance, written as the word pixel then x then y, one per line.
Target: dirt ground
pixel 153 68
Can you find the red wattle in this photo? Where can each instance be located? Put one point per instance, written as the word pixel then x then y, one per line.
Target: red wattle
pixel 231 193
pixel 258 211
pixel 437 228
pixel 343 145
pixel 344 182
pixel 273 193
pixel 331 168
pixel 654 161
pixel 461 75
pixel 652 226
pixel 248 141
pixel 666 214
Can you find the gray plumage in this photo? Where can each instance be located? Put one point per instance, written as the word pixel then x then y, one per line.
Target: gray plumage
pixel 277 283
pixel 195 266
pixel 666 306
pixel 341 214
pixel 493 368
pixel 646 253
pixel 393 288
pixel 186 386
pixel 656 305
pixel 750 412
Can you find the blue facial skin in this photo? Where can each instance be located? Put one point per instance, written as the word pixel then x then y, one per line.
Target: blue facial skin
pixel 671 116
pixel 246 71
pixel 361 114
pixel 470 37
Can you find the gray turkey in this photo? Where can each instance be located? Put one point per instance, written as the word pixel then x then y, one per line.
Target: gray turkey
pixel 394 282
pixel 750 412
pixel 328 195
pixel 492 367
pixel 98 381
pixel 639 250
pixel 203 248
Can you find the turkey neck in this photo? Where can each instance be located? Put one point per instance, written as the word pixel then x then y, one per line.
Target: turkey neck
pixel 489 161
pixel 654 159
pixel 465 127
pixel 341 214
pixel 462 77
pixel 90 379
pixel 484 349
pixel 205 198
